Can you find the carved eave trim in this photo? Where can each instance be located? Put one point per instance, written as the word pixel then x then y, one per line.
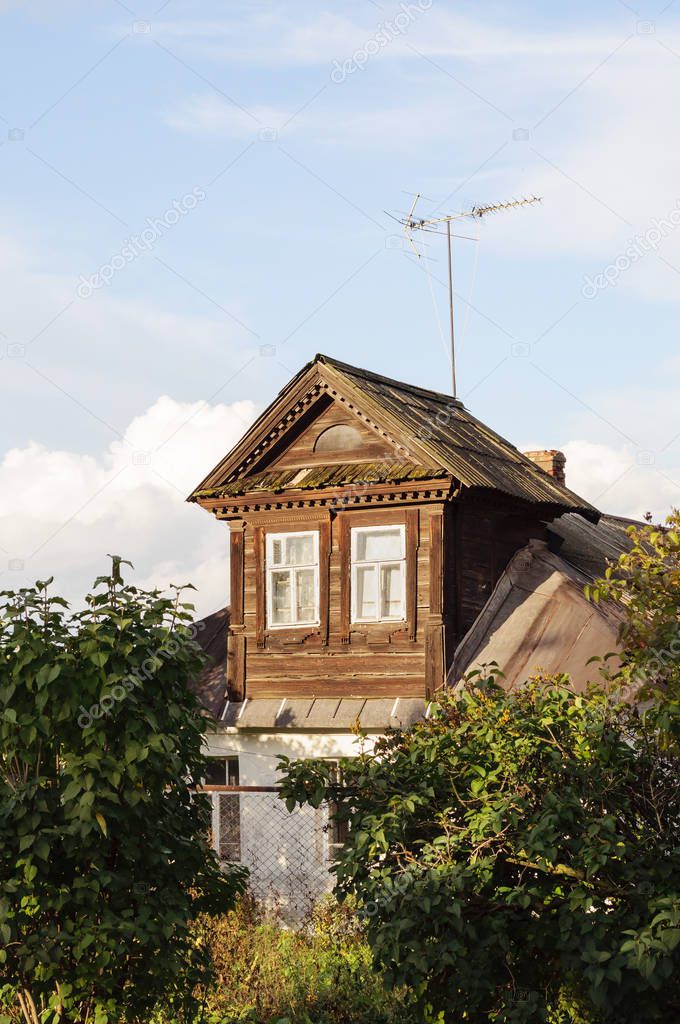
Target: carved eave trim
pixel 273 424
pixel 296 411
pixel 332 499
pixel 275 433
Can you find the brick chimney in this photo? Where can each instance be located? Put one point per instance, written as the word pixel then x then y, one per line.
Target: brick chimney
pixel 551 462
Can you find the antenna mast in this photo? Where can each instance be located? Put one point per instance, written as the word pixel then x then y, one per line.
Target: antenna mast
pixel 432 226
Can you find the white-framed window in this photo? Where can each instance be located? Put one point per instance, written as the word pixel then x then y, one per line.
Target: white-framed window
pixel 292 562
pixel 378 573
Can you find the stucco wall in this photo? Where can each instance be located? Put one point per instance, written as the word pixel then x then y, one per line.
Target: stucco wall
pixel 257 751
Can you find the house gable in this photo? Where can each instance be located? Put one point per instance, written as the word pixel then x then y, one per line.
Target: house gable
pixel 422 427
pixel 315 436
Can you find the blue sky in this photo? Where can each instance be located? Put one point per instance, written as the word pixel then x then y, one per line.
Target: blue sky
pixel 300 125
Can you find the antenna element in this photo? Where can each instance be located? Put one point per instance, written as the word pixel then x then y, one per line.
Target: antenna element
pixel 430 225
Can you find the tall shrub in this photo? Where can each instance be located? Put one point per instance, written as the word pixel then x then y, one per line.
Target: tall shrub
pixel 104 852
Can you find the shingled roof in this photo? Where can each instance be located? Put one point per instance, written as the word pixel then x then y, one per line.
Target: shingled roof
pixel 433 426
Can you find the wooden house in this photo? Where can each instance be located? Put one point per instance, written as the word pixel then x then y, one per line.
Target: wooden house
pixel 370 522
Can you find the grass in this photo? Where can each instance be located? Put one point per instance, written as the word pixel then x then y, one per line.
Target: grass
pixel 320 973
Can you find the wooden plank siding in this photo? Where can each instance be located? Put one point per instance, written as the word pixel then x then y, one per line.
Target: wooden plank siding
pixel 487 535
pixel 362 686
pixel 336 658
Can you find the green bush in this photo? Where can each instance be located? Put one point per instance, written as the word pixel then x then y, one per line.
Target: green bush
pixel 320 973
pixel 104 855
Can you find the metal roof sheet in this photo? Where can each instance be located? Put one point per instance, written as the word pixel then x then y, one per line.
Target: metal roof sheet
pixel 539 621
pixel 373 714
pixel 472 452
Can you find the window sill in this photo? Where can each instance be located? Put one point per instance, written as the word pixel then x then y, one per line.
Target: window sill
pixel 382 623
pixel 288 628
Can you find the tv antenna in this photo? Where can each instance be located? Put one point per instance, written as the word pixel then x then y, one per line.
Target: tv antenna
pixel 442 226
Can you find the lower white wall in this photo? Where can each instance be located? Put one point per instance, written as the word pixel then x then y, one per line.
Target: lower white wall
pixel 257 751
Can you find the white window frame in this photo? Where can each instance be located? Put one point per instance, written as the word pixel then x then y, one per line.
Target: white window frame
pixel 378 563
pixel 291 569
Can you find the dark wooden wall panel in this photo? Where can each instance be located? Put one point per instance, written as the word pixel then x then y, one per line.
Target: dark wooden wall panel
pixel 412 517
pixel 236 573
pixel 345 582
pixel 236 666
pixel 434 658
pixel 324 578
pixel 260 595
pixel 362 686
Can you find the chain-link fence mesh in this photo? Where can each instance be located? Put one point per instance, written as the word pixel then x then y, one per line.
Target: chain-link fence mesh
pixel 287 854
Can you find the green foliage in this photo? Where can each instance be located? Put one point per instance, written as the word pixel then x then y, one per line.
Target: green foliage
pixel 320 973
pixel 646 583
pixel 517 857
pixel 104 857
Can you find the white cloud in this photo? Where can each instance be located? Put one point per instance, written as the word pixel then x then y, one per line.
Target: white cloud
pixel 61 512
pixel 622 480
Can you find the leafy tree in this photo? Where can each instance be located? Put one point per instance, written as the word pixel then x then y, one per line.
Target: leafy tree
pixel 646 583
pixel 517 857
pixel 104 852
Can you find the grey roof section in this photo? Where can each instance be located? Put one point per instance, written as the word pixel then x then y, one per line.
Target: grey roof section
pixel 211 685
pixel 327 714
pixel 591 547
pixel 539 621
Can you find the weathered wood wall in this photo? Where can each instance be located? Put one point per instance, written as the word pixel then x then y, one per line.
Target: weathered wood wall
pixel 484 532
pixel 339 658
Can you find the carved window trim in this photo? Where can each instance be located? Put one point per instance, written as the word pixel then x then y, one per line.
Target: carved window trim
pixel 378 565
pixel 272 567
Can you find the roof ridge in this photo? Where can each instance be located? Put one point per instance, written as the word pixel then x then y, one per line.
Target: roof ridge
pixel 382 379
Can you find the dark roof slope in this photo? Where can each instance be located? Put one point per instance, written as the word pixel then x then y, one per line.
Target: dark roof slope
pixel 472 452
pixel 590 547
pixel 211 685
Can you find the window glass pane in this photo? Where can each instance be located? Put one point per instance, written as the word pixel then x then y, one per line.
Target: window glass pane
pixel 232 771
pixel 299 550
pixel 216 772
pixel 280 583
pixel 378 544
pixel 391 592
pixel 367 592
pixel 277 552
pixel 304 581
